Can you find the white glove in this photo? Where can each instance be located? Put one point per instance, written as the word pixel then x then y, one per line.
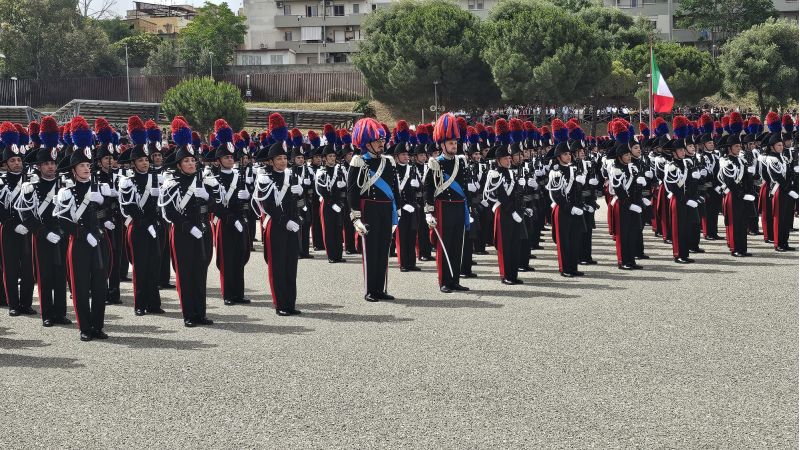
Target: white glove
pixel 691 203
pixel 718 189
pixel 243 194
pixel 532 183
pixel 590 209
pixel 696 175
pixel 53 238
pixel 576 211
pixel 340 184
pixel 641 181
pixel 646 202
pixel 529 212
pixel 430 220
pixel 21 229
pixel 581 179
pixel 408 208
pixel 636 208
pixel 109 225
pixel 151 229
pixel 669 196
pixel 593 181
pixel 649 174
pixel 292 226
pixel 472 187
pixel 296 189
pixel 703 172
pixel 91 240
pixel 336 208
pixel 106 190
pixel 516 217
pixel 96 197
pixel 793 194
pixel 484 203
pixel 307 182
pixel 196 232
pixel 796 169
pixel 201 192
pixel 238 226
pixel 414 183
pixel 748 197
pixel 752 170
pixel 155 192
pixel 521 182
pixel 361 229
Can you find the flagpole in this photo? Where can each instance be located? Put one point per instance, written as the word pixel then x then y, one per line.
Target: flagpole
pixel 650 86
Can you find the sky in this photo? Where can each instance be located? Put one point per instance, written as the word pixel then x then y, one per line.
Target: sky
pixel 123 5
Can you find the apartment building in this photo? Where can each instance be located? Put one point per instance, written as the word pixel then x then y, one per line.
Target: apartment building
pixel 313 32
pixel 164 20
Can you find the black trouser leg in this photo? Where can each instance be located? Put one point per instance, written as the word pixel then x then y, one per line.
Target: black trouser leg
pixel 89 284
pixel 305 237
pixel 680 227
pixel 450 223
pixel 316 225
pixel 348 231
pixel 191 268
pixel 424 247
pixel 785 216
pixel 50 275
pixel 163 262
pixel 117 254
pixel 282 267
pixel 713 206
pixel 332 229
pixel 146 256
pixel 231 247
pixel 375 248
pixel 509 250
pixel 405 235
pixel 466 258
pixel 12 249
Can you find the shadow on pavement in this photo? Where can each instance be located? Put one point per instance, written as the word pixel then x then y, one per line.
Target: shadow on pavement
pixel 343 317
pixel 143 342
pixel 38 362
pixel 441 303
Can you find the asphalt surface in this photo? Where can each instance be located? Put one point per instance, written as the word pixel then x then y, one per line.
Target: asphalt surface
pixel 673 356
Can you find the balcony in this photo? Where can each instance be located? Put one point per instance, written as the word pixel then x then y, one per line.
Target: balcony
pixel 295 21
pixel 305 47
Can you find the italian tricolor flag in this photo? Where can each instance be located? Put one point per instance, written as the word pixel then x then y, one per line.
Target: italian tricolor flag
pixel 662 97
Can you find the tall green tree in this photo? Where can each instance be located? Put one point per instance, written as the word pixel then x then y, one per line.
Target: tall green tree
pixel 763 60
pixel 214 35
pixel 202 101
pixel 140 46
pixel 690 73
pixel 164 60
pixel 412 44
pixel 116 28
pixel 541 53
pixel 723 18
pixel 618 88
pixel 620 29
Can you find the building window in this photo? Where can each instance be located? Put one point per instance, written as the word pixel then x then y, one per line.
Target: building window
pixel 474 5
pixel 355 8
pixel 287 10
pixel 312 11
pixel 338 10
pixel 276 59
pixel 287 36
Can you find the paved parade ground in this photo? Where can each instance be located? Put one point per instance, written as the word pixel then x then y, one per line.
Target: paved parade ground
pixel 674 356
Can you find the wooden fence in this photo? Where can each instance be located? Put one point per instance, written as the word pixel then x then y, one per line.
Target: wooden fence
pixel 265 87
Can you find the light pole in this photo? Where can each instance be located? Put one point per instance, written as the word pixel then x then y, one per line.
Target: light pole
pixel 436 99
pixel 640 83
pixel 211 58
pixel 127 73
pixel 714 51
pixel 248 93
pixel 14 79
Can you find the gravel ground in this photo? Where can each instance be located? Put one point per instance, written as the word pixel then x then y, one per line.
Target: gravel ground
pixel 671 357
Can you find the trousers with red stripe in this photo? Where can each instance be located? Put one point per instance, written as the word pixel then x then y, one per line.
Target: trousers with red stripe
pixel 87 268
pixel 332 230
pixel 507 242
pixel 51 274
pixel 405 239
pixel 377 216
pixel 567 231
pixel 145 251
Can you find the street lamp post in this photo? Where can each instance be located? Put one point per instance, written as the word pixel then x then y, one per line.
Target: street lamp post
pixel 248 93
pixel 14 79
pixel 436 99
pixel 640 83
pixel 127 73
pixel 211 58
